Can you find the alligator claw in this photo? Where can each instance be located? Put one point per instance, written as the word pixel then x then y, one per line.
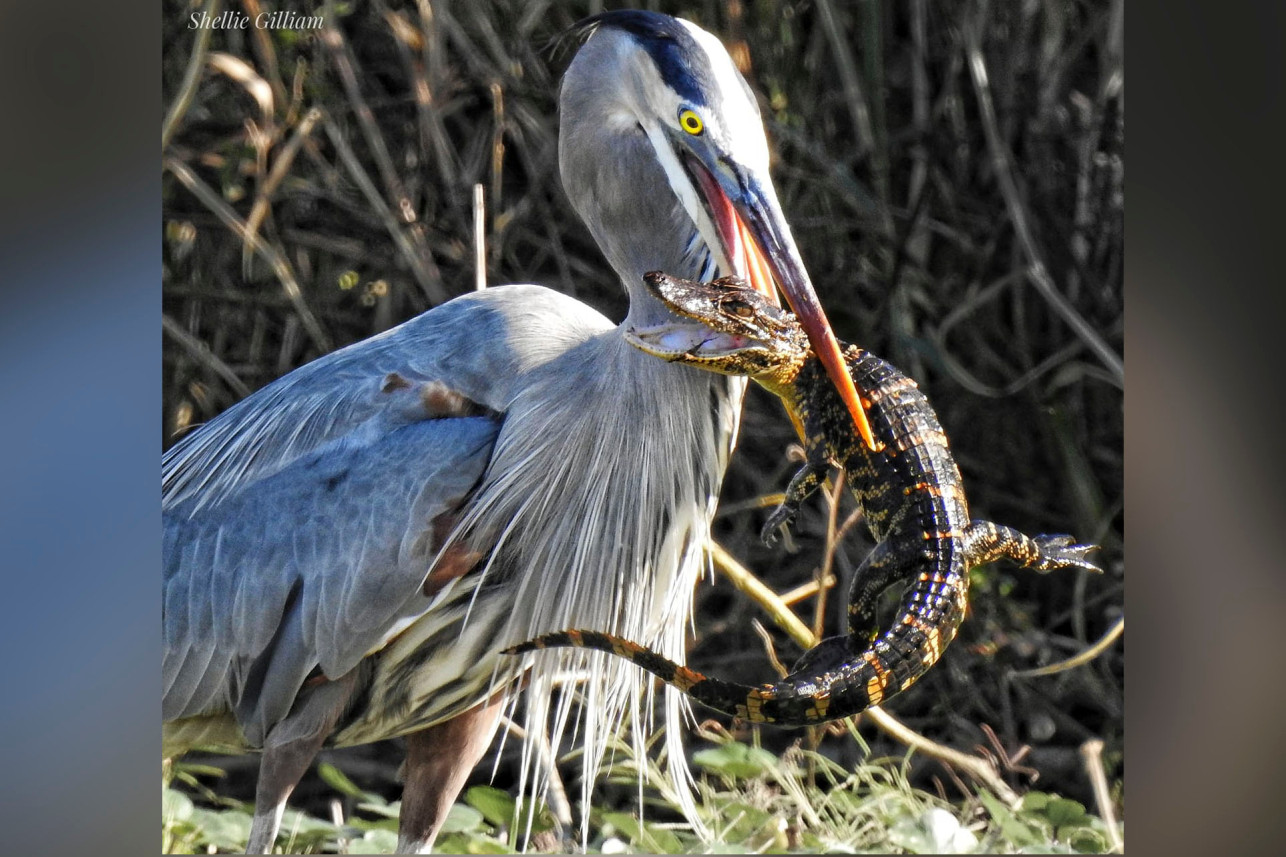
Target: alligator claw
pixel 1061 550
pixel 777 521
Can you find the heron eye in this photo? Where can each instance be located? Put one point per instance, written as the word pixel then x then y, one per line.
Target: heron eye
pixel 691 122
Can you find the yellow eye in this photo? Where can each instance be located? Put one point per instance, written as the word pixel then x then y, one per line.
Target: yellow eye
pixel 691 122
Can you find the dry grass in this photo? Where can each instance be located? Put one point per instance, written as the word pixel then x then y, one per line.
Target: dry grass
pixel 954 175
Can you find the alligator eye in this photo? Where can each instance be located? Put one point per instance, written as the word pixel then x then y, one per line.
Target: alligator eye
pixel 741 310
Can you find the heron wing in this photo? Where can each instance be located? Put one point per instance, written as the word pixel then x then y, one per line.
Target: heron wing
pixel 316 568
pixel 355 395
pixel 299 525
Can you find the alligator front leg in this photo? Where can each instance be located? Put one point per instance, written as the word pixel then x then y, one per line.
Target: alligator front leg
pixel 805 481
pixel 988 542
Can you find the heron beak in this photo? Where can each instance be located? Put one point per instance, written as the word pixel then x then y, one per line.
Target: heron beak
pixel 751 224
pixel 744 255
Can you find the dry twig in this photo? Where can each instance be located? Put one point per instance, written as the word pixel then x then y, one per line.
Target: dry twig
pixel 1092 755
pixel 1037 271
pixel 191 78
pixel 279 265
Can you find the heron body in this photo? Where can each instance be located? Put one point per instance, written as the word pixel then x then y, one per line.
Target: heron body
pixel 347 550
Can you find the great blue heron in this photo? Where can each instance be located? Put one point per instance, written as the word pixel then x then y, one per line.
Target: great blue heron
pixel 347 549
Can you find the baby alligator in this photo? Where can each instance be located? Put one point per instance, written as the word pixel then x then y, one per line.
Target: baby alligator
pixel 909 491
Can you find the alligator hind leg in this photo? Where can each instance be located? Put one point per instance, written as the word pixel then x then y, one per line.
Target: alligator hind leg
pixel 987 542
pixel 827 656
pixel 889 563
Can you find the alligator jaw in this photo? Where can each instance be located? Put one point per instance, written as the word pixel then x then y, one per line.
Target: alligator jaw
pixel 677 340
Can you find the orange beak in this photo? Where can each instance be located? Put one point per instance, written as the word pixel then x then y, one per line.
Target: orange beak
pixel 746 244
pixel 757 270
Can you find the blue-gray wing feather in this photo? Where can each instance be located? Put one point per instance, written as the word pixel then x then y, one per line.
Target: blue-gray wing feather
pixel 344 397
pixel 312 570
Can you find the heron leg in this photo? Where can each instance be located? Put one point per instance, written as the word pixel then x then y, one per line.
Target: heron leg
pixel 288 750
pixel 438 761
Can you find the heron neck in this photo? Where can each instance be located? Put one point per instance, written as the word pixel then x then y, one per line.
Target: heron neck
pixel 660 237
pixel 620 190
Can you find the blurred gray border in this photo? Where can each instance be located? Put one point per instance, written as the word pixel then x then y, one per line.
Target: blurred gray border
pixel 80 358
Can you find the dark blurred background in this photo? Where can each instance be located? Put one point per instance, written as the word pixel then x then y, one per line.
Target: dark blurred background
pixel 954 175
pixel 78 357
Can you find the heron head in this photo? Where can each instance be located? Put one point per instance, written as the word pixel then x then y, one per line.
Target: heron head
pixel 663 153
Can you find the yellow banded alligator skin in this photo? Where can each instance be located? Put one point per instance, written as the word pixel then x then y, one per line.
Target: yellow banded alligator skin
pixel 909 490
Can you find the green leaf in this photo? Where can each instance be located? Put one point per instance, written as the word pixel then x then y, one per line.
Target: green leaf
pixel 1034 802
pixel 1014 831
pixel 495 805
pixel 541 818
pixel 468 843
pixel 296 823
pixel 651 838
pixel 461 819
pixel 660 841
pixel 359 823
pixel 199 770
pixel 909 835
pixel 664 840
pixel 481 845
pixel 226 830
pixel 724 848
pixel 741 820
pixel 378 806
pixel 375 842
pixel 1068 821
pixel 736 760
pixel 1063 812
pixel 1085 840
pixel 621 822
pixel 175 805
pixel 336 779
